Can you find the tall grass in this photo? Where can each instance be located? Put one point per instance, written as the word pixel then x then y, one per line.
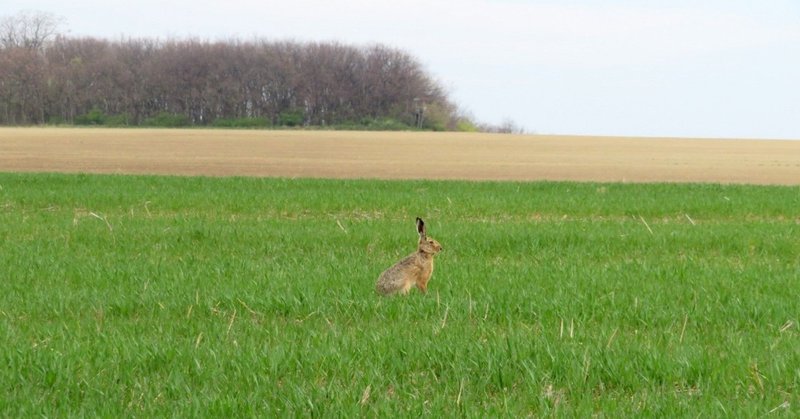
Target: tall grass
pixel 156 296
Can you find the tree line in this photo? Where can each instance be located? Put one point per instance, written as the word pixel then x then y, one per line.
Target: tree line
pixel 47 78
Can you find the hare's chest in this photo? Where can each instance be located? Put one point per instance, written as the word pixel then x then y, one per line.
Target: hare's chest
pixel 427 269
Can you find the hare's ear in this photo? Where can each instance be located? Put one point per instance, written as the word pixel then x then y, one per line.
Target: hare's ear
pixel 421 228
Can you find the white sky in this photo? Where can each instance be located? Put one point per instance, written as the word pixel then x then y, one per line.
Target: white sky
pixel 703 68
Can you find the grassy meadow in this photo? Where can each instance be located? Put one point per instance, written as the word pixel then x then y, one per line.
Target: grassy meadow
pixel 192 296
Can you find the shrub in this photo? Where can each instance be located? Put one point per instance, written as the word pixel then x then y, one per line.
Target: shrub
pixel 166 120
pixel 292 118
pixel 55 120
pixel 374 124
pixel 94 117
pixel 465 125
pixel 241 123
pixel 385 124
pixel 119 120
pixel 436 118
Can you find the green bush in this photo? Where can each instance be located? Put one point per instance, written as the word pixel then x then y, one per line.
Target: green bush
pixel 435 118
pixel 374 124
pixel 465 125
pixel 166 120
pixel 388 124
pixel 384 124
pixel 94 117
pixel 55 120
pixel 241 123
pixel 291 118
pixel 119 120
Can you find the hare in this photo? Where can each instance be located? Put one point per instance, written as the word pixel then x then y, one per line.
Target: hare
pixel 414 269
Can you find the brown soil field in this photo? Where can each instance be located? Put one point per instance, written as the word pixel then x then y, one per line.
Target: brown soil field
pixel 397 155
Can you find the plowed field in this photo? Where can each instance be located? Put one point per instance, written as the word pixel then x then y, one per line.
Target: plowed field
pixel 338 154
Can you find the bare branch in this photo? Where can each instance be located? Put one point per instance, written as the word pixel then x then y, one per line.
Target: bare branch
pixel 30 30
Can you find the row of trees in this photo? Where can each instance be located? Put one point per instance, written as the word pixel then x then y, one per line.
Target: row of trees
pixel 46 78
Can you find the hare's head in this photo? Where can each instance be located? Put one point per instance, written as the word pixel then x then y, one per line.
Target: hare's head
pixel 426 244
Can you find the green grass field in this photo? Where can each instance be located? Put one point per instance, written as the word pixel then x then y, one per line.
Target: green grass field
pixel 170 296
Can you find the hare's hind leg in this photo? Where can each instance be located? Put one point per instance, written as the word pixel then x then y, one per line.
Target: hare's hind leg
pixel 406 287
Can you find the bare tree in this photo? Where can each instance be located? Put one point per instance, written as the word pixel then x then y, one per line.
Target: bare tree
pixel 200 82
pixel 29 30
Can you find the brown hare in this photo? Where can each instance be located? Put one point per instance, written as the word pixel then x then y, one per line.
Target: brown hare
pixel 414 269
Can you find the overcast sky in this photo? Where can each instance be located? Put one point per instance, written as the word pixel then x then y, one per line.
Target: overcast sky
pixel 704 68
